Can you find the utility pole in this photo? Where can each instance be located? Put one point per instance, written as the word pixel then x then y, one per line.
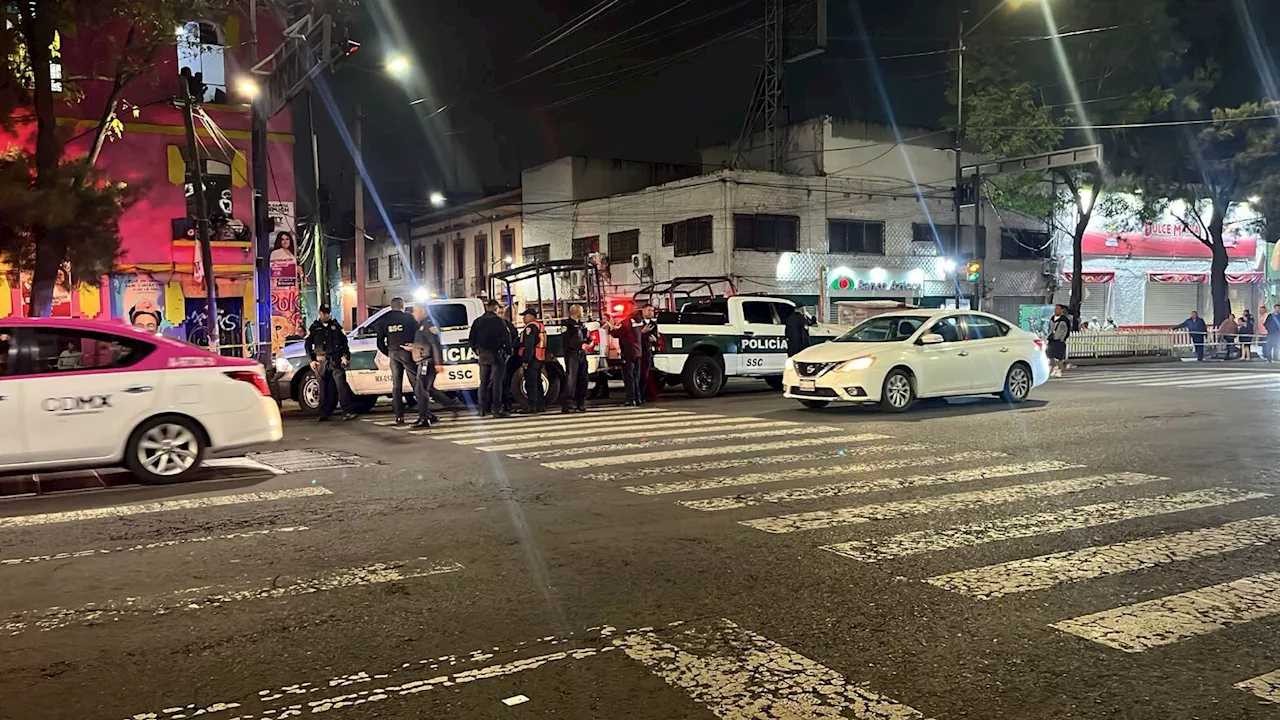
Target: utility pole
pixel 261 219
pixel 959 191
pixel 202 214
pixel 362 267
pixel 317 232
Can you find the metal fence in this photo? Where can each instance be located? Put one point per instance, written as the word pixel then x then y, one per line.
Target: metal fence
pixel 1149 343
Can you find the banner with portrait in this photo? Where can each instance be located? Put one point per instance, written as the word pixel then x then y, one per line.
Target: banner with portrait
pixel 286 307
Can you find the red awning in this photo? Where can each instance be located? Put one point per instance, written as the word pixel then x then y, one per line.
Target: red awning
pixel 1174 277
pixel 1094 276
pixel 1247 278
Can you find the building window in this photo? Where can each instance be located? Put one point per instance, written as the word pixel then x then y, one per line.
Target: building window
pixel 855 236
pixel 372 275
pixel 459 259
pixel 1024 244
pixel 584 246
pixel 622 245
pixel 201 58
pixel 395 268
pixel 689 237
pixel 438 253
pixel 769 233
pixel 420 262
pixel 482 260
pixel 537 254
pixel 923 232
pixel 507 240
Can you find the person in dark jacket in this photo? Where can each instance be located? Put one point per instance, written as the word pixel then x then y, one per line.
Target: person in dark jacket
pixel 574 342
pixel 327 347
pixel 797 331
pixel 1271 350
pixel 513 363
pixel 648 348
pixel 628 333
pixel 492 344
pixel 429 355
pixel 533 353
pixel 1195 327
pixel 395 332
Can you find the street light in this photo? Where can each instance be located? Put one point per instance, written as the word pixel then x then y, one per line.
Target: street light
pixel 436 198
pixel 398 65
pixel 248 87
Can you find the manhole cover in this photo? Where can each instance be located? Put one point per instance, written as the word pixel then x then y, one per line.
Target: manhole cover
pixel 300 460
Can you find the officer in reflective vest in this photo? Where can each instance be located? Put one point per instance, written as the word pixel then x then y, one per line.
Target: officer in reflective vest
pixel 533 353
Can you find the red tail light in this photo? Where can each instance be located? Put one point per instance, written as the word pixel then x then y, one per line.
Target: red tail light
pixel 662 343
pixel 1039 344
pixel 253 379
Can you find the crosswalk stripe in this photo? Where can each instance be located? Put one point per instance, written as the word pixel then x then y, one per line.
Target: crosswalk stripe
pixel 667 442
pixel 619 430
pixel 728 463
pixel 1022 526
pixel 1174 618
pixel 1045 571
pixel 946 503
pixel 859 487
pixel 1266 687
pixel 1122 375
pixel 724 481
pixel 1172 378
pixel 555 420
pixel 1250 383
pixel 588 442
pixel 162 506
pixel 700 452
pixel 152 545
pixel 1201 382
pixel 552 429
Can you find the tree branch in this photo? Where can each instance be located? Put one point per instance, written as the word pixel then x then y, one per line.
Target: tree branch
pixel 122 78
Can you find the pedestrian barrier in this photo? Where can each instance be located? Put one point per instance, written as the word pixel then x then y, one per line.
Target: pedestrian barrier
pixel 1087 344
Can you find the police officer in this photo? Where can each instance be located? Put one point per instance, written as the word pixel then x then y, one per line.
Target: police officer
pixel 513 364
pixel 492 345
pixel 429 355
pixel 327 347
pixel 574 341
pixel 797 331
pixel 533 352
pixel 648 348
pixel 395 333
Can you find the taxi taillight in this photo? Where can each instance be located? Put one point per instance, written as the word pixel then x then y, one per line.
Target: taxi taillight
pixel 253 379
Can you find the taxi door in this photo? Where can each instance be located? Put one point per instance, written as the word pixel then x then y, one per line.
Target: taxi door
pixel 13 439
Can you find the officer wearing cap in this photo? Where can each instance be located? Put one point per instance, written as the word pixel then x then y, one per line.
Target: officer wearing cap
pixel 429 355
pixel 533 353
pixel 327 347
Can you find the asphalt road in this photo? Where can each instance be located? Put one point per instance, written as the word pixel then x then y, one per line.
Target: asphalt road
pixel 1106 550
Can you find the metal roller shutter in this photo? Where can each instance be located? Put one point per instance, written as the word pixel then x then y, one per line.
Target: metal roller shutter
pixel 1169 303
pixel 1096 301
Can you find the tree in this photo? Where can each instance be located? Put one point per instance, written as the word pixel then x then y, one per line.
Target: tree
pixel 132 31
pixel 1103 66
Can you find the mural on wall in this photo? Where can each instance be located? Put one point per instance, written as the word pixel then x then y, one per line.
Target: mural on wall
pixel 61 293
pixel 140 301
pixel 286 308
pixel 230 321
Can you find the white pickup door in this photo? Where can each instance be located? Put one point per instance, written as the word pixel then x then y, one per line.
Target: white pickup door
pixel 762 344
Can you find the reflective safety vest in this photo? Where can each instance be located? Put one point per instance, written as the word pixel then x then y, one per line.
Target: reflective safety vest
pixel 540 349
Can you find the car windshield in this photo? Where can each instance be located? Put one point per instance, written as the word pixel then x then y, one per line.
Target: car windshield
pixel 885 328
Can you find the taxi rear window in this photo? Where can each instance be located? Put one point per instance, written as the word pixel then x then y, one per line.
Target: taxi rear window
pixel 64 350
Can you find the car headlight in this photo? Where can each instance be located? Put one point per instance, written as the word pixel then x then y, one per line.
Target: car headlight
pixel 282 366
pixel 861 363
pixel 789 364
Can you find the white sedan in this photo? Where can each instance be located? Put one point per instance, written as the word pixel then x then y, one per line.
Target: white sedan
pixel 88 394
pixel 896 358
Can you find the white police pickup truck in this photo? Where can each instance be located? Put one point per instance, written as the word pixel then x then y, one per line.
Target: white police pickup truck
pixel 369 372
pixel 711 340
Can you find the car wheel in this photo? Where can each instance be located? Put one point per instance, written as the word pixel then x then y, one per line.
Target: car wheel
pixel 703 376
pixel 550 388
pixel 815 404
pixel 164 449
pixel 1017 384
pixel 309 392
pixel 898 393
pixel 775 381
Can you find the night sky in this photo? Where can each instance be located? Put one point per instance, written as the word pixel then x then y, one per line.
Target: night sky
pixel 656 92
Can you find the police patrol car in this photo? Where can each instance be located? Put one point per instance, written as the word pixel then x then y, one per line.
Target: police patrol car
pixel 714 339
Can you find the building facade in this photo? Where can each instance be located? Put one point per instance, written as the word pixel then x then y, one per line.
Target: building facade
pixel 155 280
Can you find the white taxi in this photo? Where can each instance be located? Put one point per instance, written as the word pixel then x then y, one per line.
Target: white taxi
pixel 89 394
pixel 896 358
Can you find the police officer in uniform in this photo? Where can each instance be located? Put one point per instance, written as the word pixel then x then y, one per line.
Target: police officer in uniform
pixel 574 340
pixel 513 364
pixel 533 352
pixel 429 355
pixel 395 332
pixel 327 347
pixel 492 345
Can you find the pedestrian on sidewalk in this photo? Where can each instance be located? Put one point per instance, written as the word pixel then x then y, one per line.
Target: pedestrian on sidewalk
pixel 1059 331
pixel 327 347
pixel 574 342
pixel 1197 329
pixel 1227 332
pixel 429 355
pixel 1246 336
pixel 1272 325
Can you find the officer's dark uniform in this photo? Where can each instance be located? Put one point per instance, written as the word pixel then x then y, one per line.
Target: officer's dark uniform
pixel 426 343
pixel 327 347
pixel 797 331
pixel 489 338
pixel 575 365
pixel 533 348
pixel 395 330
pixel 513 364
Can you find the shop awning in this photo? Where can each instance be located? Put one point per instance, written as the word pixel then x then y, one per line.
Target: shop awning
pixel 1172 277
pixel 1094 276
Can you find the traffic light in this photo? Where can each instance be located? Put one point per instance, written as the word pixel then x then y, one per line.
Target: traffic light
pixel 973 271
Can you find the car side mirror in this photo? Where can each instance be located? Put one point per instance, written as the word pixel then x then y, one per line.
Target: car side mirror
pixel 931 339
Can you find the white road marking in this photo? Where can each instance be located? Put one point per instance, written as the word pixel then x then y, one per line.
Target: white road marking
pixel 1174 618
pixel 1205 382
pixel 701 452
pixel 202 598
pixel 151 545
pixel 729 463
pixel 603 434
pixel 944 503
pixel 1266 687
pixel 1046 571
pixel 554 430
pixel 241 463
pixel 642 444
pixel 474 424
pixel 162 506
pixel 554 421
pixel 1045 523
pixel 738 675
pixel 858 487
pixel 1124 375
pixel 593 444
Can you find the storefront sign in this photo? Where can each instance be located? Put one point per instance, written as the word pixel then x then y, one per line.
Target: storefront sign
pixel 1166 237
pixel 877 280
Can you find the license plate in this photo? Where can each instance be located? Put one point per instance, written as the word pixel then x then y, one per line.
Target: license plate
pixel 808 385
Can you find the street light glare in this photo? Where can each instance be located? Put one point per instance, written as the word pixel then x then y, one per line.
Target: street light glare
pixel 398 65
pixel 437 199
pixel 508 260
pixel 248 87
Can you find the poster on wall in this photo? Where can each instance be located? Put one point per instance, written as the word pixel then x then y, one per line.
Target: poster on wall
pixel 286 307
pixel 61 292
pixel 139 300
